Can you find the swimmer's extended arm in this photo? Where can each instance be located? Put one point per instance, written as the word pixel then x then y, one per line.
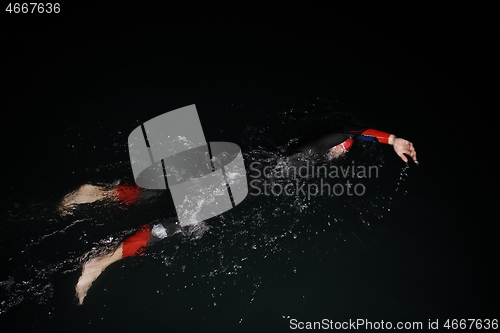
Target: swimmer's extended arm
pixel 342 137
pixel 401 146
pixel 134 245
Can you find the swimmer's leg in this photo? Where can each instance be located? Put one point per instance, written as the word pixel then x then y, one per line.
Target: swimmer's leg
pixel 88 194
pixel 92 269
pixel 84 194
pixel 132 246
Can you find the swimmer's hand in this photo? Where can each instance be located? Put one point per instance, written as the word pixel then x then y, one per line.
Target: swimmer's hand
pixel 402 147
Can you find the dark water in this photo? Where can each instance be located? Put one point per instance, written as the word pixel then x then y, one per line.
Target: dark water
pixel 418 245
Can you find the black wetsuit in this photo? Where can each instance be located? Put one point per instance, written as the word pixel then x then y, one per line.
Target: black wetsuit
pixel 321 144
pixel 150 233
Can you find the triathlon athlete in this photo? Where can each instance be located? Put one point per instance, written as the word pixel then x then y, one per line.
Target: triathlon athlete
pixel 131 246
pixel 336 143
pixel 124 193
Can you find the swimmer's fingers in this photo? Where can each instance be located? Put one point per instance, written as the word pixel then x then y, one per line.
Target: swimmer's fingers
pixel 413 155
pixel 403 157
pixel 412 152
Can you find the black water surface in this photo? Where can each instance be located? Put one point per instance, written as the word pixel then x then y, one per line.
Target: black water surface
pixel 418 245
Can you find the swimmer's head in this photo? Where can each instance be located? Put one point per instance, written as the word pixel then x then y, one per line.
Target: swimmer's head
pixel 340 149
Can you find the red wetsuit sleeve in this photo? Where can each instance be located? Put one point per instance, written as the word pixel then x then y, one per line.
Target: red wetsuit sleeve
pixel 382 137
pixel 127 193
pixel 135 244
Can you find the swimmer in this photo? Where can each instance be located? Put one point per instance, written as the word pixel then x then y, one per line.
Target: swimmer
pixel 131 246
pixel 334 144
pixel 337 142
pixel 124 193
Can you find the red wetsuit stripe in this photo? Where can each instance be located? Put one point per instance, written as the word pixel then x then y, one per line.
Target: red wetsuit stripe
pixel 347 144
pixel 382 137
pixel 127 193
pixel 135 244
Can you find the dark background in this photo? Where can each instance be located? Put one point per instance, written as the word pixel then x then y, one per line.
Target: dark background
pixel 425 73
pixel 370 55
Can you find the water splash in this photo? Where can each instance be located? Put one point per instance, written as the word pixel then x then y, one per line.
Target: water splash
pixel 225 254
